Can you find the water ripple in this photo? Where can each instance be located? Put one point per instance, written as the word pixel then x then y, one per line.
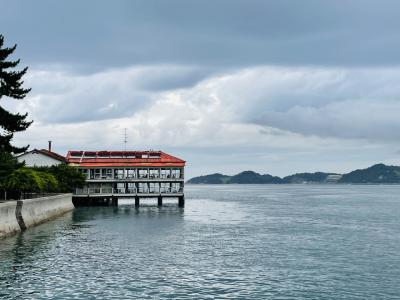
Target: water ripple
pixel 229 242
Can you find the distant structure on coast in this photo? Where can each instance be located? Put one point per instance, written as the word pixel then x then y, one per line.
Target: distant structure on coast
pixel 135 174
pixel 333 178
pixel 41 158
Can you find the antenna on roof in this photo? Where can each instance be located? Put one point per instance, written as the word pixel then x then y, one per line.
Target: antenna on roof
pixel 125 138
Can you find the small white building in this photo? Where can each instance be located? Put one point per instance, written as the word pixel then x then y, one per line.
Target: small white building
pixel 41 158
pixel 333 178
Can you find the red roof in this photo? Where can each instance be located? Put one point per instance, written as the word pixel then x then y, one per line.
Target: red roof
pixel 123 159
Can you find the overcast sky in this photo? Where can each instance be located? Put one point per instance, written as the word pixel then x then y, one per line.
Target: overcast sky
pixel 272 86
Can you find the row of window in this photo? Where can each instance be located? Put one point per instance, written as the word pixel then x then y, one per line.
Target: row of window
pixel 131 188
pixel 128 173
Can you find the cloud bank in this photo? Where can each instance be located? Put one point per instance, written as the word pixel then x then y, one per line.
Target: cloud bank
pixel 273 86
pixel 254 112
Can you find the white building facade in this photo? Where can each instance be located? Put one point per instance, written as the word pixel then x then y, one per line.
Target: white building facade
pixel 41 158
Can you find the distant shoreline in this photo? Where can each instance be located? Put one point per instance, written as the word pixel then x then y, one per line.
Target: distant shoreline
pixel 307 183
pixel 375 175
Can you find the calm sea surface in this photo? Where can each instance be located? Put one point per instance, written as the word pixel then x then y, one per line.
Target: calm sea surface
pixel 229 242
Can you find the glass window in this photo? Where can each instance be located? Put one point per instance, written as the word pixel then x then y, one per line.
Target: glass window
pixel 143 173
pixel 121 188
pixel 154 173
pixel 131 173
pixel 119 173
pixel 143 187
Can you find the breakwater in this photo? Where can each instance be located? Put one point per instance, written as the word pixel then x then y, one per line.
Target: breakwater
pixel 19 215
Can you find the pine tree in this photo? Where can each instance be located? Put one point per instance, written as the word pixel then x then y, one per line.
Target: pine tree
pixel 11 86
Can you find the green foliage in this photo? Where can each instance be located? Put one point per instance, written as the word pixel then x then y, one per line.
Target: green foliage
pixel 11 86
pixel 25 180
pixel 8 164
pixel 49 182
pixel 69 178
pixel 16 179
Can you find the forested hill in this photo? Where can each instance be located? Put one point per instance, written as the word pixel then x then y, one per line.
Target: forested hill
pixel 379 173
pixel 376 174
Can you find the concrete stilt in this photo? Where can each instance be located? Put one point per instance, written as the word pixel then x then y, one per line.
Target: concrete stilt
pixel 137 202
pixel 159 201
pixel 181 201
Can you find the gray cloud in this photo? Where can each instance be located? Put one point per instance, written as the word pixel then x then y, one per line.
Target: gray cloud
pixel 370 120
pixel 294 84
pixel 63 97
pixel 341 103
pixel 92 35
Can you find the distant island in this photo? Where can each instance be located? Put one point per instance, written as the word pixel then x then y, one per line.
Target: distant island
pixel 376 174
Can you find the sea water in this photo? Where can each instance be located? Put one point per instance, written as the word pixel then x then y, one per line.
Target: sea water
pixel 229 242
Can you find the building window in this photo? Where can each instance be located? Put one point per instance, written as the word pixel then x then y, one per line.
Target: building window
pixel 175 187
pixel 143 187
pixel 154 173
pixel 106 188
pixel 131 188
pixel 106 173
pixel 143 173
pixel 130 173
pixel 165 187
pixel 120 188
pixel 95 173
pixel 154 187
pixel 94 188
pixel 165 173
pixel 119 173
pixel 175 173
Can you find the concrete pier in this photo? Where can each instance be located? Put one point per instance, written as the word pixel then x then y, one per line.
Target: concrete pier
pixel 159 201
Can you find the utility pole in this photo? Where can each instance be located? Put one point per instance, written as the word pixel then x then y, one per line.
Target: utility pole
pixel 125 138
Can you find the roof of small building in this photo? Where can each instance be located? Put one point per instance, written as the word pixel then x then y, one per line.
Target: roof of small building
pixel 123 159
pixel 46 152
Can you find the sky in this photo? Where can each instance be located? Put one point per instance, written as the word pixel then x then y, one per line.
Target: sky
pixel 277 87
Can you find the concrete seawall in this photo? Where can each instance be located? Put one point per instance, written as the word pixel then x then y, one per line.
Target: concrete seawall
pixel 8 220
pixel 19 215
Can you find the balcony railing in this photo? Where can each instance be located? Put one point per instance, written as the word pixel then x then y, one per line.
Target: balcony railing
pixel 108 191
pixel 122 177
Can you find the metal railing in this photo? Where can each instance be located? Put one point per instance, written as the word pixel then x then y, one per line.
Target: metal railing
pixel 102 191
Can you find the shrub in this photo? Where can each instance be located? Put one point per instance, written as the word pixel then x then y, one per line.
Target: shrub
pixel 69 178
pixel 24 180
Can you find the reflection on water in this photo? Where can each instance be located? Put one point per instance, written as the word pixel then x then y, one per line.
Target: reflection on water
pixel 229 242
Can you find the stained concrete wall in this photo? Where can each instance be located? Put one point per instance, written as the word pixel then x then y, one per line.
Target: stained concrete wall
pixel 22 214
pixel 8 220
pixel 36 211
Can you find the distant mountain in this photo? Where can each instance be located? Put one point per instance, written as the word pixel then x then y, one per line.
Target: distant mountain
pixel 249 177
pixel 317 177
pixel 253 177
pixel 210 179
pixel 378 173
